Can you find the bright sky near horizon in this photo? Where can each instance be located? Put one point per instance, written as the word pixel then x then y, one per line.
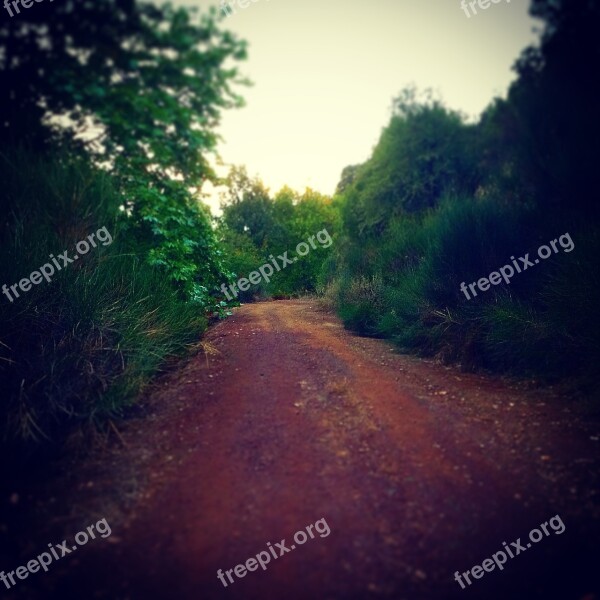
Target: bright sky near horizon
pixel 325 73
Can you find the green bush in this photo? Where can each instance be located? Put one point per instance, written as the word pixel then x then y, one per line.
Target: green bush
pixel 404 284
pixel 255 227
pixel 77 350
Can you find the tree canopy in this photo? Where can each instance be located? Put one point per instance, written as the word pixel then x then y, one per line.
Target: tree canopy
pixel 138 89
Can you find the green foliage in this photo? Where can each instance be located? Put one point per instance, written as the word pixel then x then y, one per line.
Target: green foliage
pixel 241 258
pixel 142 89
pixel 247 207
pixel 405 285
pixel 179 240
pixel 77 350
pixel 136 90
pixel 402 279
pixel 255 226
pixel 548 129
pixel 151 80
pixel 440 203
pixel 425 152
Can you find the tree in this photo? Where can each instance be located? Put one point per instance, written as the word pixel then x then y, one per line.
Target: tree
pixel 247 206
pixel 425 152
pixel 346 178
pixel 140 90
pixel 146 80
pixel 553 106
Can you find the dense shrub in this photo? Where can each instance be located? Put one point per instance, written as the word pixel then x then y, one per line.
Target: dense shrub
pixel 405 284
pixel 78 349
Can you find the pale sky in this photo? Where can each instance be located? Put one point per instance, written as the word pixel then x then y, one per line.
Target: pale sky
pixel 325 73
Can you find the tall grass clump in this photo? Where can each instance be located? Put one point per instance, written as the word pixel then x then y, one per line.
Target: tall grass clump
pixel 75 352
pixel 404 284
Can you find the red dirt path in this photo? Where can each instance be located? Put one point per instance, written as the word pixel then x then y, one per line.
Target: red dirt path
pixel 419 470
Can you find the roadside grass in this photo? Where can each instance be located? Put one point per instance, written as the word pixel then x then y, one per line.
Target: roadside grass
pixel 76 352
pixel 404 284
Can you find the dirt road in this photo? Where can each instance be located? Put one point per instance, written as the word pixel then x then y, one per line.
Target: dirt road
pixel 419 470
